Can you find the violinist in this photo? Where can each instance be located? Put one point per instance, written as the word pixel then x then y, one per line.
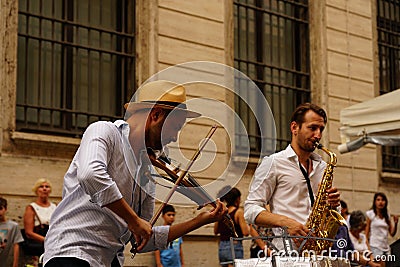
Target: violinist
pixel 107 198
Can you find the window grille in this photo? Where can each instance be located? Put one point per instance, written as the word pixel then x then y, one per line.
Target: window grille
pixel 272 48
pixel 76 63
pixel 388 24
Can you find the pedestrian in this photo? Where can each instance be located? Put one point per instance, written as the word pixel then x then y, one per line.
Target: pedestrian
pixel 232 198
pixel 172 256
pixel 10 237
pixel 359 240
pixel 379 226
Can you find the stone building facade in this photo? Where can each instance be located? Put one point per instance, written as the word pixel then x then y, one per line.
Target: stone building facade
pixel 344 70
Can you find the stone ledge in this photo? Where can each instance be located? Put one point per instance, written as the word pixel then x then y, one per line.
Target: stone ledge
pixel 45 138
pixel 390 176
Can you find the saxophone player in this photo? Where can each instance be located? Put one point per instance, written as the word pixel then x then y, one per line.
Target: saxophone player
pixel 281 179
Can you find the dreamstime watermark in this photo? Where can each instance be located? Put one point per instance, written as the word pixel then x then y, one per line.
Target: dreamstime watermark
pixel 332 254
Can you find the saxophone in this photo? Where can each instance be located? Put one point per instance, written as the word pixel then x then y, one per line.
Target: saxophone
pixel 323 221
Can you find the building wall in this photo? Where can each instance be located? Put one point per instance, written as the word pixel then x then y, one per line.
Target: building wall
pixel 343 70
pixel 344 43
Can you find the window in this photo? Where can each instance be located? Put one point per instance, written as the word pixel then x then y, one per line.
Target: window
pixel 75 63
pixel 388 24
pixel 272 49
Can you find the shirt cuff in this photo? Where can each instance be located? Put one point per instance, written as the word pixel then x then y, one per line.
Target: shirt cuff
pixel 251 212
pixel 158 240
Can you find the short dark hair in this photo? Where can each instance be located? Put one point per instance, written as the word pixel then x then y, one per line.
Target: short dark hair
pixel 357 219
pixel 229 195
pixel 301 110
pixel 168 208
pixel 344 206
pixel 3 202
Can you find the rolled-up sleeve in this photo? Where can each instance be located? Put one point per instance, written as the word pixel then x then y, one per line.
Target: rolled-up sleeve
pixel 260 191
pixel 94 154
pixel 158 240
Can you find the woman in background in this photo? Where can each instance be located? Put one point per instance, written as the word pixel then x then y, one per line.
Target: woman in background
pixel 232 199
pixel 379 226
pixel 359 240
pixel 37 214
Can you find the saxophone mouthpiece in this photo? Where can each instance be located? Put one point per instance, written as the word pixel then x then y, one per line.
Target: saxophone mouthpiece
pixel 318 145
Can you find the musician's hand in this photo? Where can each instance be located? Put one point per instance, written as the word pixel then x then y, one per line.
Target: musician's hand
pixel 215 214
pixel 142 231
pixel 295 228
pixel 333 197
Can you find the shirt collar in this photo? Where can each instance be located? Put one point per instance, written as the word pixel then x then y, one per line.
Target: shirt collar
pixel 291 154
pixel 118 123
pixel 130 156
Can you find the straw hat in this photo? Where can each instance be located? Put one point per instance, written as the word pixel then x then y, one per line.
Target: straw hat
pixel 164 94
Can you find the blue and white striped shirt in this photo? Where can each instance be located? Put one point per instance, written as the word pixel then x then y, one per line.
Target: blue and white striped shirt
pixel 103 170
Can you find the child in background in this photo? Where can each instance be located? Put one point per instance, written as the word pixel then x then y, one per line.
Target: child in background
pixel 10 237
pixel 173 255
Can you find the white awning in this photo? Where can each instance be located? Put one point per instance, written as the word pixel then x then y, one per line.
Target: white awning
pixel 378 118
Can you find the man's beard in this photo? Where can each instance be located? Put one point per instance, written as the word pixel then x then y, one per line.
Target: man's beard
pixel 309 148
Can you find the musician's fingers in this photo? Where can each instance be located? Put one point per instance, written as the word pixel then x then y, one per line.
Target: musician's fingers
pixel 138 240
pixel 142 243
pixel 213 212
pixel 331 190
pixel 221 208
pixel 225 209
pixel 297 241
pixel 301 232
pixel 296 228
pixel 217 207
pixel 334 199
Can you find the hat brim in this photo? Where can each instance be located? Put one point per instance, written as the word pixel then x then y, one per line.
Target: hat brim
pixel 135 106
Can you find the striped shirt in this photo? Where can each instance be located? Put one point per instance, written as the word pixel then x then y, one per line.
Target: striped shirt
pixel 103 170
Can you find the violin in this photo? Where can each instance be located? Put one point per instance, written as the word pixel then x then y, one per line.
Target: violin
pixel 188 186
pixel 185 184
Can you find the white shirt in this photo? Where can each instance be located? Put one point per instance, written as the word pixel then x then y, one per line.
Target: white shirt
pixel 379 230
pixel 103 170
pixel 279 182
pixel 44 213
pixel 360 244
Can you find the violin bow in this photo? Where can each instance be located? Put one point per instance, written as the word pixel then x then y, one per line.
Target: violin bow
pixel 183 174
